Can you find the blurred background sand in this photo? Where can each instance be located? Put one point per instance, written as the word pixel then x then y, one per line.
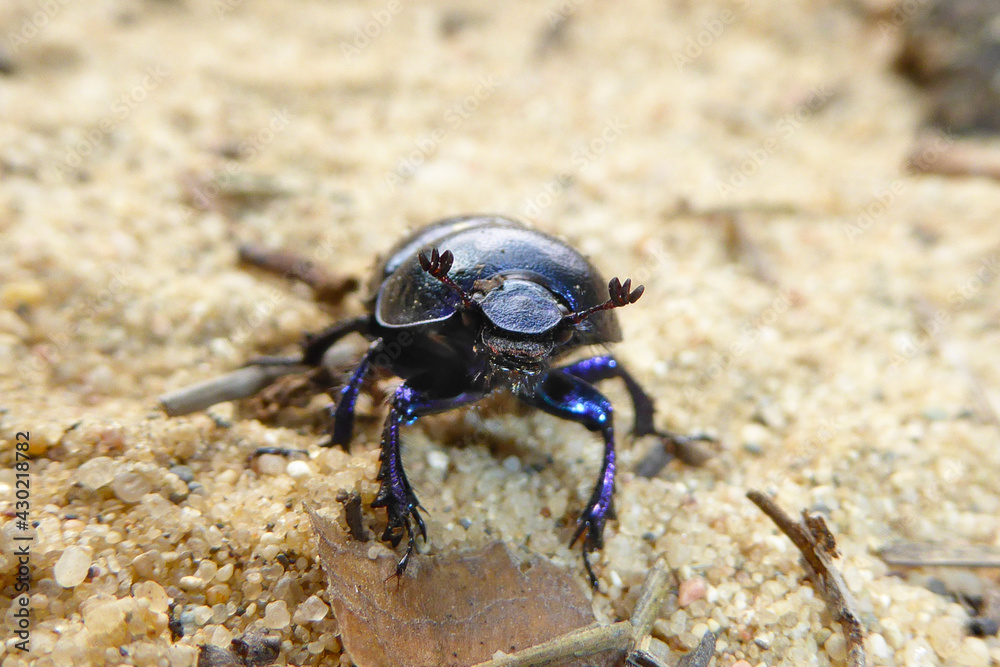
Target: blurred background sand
pixel 845 355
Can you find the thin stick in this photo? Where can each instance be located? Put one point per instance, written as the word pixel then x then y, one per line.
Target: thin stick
pixel 920 554
pixel 654 591
pixel 818 547
pixel 327 287
pixel 953 158
pixel 241 383
pixel 576 644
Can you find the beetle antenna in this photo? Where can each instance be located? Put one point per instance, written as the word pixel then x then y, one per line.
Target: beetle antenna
pixel 619 295
pixel 438 265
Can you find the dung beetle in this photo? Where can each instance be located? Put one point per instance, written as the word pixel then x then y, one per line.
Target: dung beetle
pixel 460 309
pixel 471 305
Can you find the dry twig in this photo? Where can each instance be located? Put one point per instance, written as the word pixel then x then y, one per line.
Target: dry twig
pixel 818 547
pixel 957 158
pixel 742 246
pixel 923 554
pixel 327 287
pixel 241 383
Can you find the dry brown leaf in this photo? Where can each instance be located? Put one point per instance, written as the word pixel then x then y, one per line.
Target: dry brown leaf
pixel 452 610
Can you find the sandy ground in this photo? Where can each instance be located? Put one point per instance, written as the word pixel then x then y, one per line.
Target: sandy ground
pixel 140 142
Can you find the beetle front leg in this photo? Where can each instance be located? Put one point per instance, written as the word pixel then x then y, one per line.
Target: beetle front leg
pixel 570 397
pixel 395 493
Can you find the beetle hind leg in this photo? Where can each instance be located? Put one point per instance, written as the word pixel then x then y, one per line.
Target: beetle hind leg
pixel 570 397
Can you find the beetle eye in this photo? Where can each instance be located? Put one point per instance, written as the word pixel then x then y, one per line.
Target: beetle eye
pixel 563 335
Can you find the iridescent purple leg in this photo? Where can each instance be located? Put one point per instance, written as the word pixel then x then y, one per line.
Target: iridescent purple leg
pixel 672 444
pixel 395 494
pixel 343 414
pixel 570 397
pixel 606 367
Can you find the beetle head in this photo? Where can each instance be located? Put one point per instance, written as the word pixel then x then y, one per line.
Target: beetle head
pixel 520 326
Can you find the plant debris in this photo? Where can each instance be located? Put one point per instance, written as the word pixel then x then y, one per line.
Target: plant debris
pixel 241 383
pixel 932 155
pixel 952 48
pixel 631 636
pixel 254 649
pixel 818 547
pixel 452 610
pixel 353 514
pixel 327 287
pixel 927 554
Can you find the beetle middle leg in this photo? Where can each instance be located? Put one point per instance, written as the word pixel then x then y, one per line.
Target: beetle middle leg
pixel 395 494
pixel 343 414
pixel 568 396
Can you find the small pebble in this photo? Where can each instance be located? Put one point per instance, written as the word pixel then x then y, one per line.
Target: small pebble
pixel 96 473
pixel 298 469
pixel 691 590
pixel 72 567
pixel 270 464
pixel 16 295
pixel 104 617
pixel 276 615
pixel 190 583
pixel 313 609
pixel 835 647
pixel 512 463
pixel 438 460
pixel 224 573
pixel 184 473
pixel 878 647
pixel 130 487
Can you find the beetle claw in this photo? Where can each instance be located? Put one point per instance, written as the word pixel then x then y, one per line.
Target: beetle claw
pixel 590 526
pixel 403 518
